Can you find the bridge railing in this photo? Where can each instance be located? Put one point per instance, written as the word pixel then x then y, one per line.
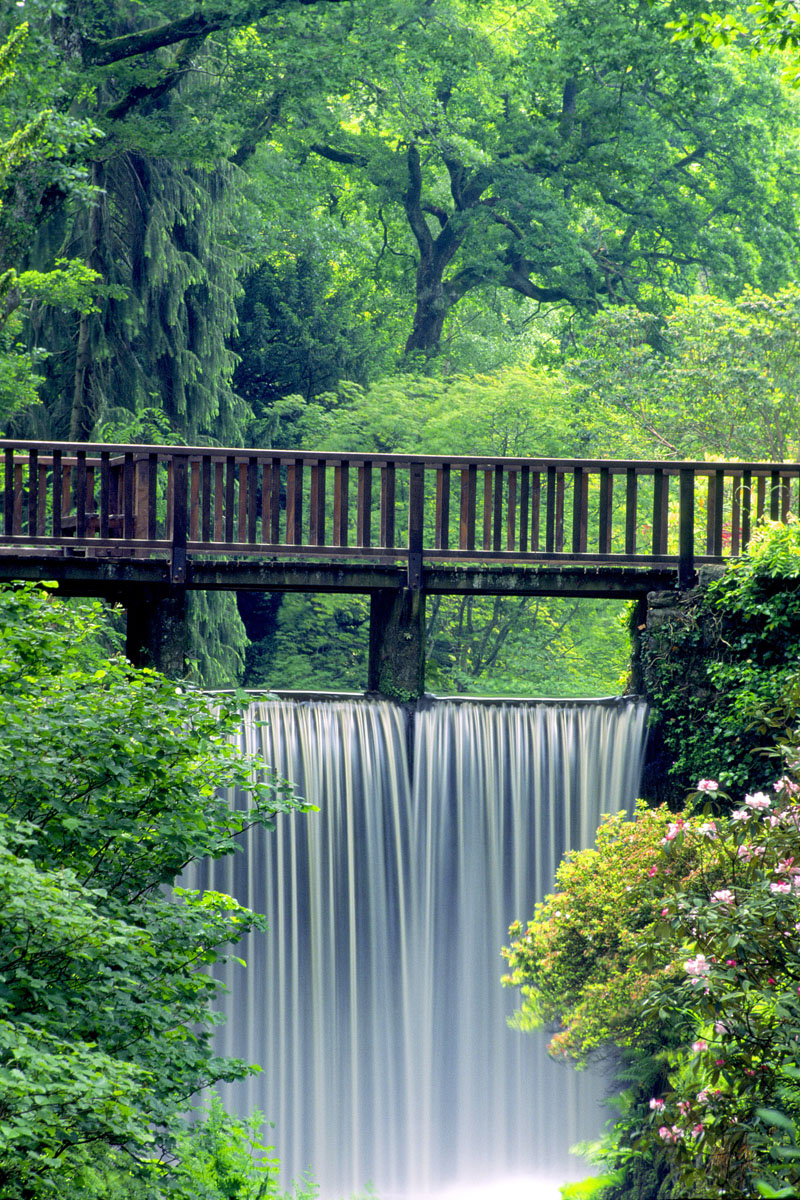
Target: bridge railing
pixel 132 500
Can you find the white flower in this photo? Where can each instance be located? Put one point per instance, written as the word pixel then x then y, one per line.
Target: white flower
pixel 758 800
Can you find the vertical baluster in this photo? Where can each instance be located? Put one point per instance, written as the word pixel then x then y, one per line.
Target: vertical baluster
pixel 56 494
pixel 230 495
pixel 631 505
pixel 364 505
pixel 170 497
pixel 660 484
pixel 711 512
pixel 719 511
pixel 416 500
pixel 219 505
pixel 736 514
pixel 266 490
pixel 747 502
pixel 294 501
pixel 469 503
pixel 580 507
pixel 141 503
pixel 550 513
pixel 91 506
pixel 761 488
pixel 497 519
pixel 275 503
pixel 252 500
pixel 66 490
pixel 786 497
pixel 180 514
pixel 205 524
pixel 387 505
pixel 686 528
pixel 8 499
pixel 536 507
pixel 128 519
pixel 605 514
pixel 341 483
pixel 41 511
pixel 511 514
pixel 524 502
pixel 105 494
pixel 80 494
pixel 241 531
pixel 442 540
pixel 19 491
pixel 487 510
pixel 194 502
pixel 33 491
pixel 152 496
pixel 774 495
pixel 318 502
pixel 559 512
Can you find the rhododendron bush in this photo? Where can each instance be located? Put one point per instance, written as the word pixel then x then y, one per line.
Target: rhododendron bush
pixel 678 938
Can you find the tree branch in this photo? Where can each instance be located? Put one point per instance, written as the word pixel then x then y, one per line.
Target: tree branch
pixel 197 24
pixel 348 158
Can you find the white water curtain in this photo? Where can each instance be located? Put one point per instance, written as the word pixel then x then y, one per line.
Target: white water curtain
pixel 374 1004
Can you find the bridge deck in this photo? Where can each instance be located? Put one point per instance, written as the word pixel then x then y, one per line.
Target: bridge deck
pixel 100 517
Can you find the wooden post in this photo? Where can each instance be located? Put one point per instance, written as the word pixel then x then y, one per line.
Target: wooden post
pixel 179 519
pixel 157 632
pixel 686 529
pixel 416 497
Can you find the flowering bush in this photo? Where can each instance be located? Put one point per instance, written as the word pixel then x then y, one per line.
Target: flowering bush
pixel 678 939
pixel 727 1115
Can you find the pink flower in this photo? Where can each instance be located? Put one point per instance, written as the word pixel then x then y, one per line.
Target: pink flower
pixel 656 1105
pixel 780 888
pixel 665 1134
pixel 740 814
pixel 708 829
pixel 699 1046
pixel 758 800
pixel 699 965
pixel 665 912
pixel 697 1129
pixel 707 785
pixel 723 896
pixel 702 1097
pixel 785 784
pixel 653 871
pixel 719 1062
pixel 673 830
pixel 683 1106
pixel 720 1027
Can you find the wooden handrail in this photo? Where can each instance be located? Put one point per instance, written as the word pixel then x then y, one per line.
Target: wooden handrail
pixel 180 501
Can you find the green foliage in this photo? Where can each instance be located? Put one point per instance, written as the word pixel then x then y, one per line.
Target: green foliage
pixel 110 787
pixel 69 285
pixel 722 673
pixel 576 961
pixel 714 377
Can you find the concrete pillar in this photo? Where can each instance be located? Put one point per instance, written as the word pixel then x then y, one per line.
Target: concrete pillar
pixel 157 633
pixel 397 643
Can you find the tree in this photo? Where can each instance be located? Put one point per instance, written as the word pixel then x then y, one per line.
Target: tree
pixel 575 157
pixel 69 285
pixel 714 377
pixel 110 786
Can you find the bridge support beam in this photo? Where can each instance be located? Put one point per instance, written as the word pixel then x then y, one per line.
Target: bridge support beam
pixel 157 633
pixel 397 643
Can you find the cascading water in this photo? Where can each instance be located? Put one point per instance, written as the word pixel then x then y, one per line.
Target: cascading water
pixel 374 1003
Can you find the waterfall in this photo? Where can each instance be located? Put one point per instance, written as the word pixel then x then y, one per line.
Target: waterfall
pixel 374 1004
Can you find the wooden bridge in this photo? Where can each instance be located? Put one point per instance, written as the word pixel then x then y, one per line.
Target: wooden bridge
pixel 141 524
